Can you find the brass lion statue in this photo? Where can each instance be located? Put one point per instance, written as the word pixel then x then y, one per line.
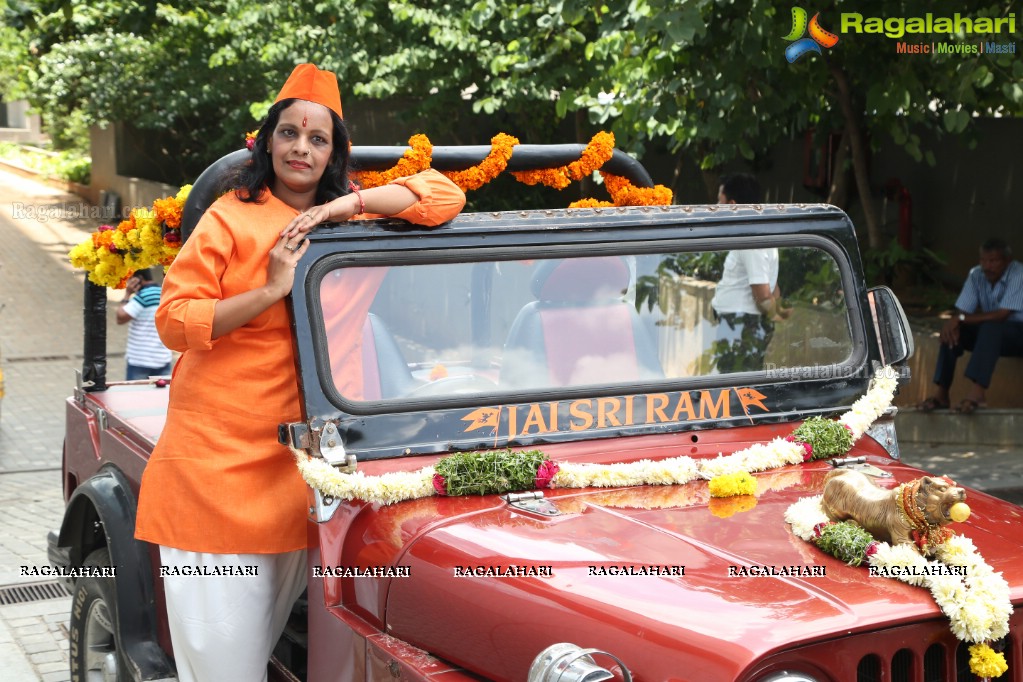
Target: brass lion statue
pixel 914 513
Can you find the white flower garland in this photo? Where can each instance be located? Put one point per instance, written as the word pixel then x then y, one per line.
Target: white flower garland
pixel 401 486
pixel 674 471
pixel 384 489
pixel 977 604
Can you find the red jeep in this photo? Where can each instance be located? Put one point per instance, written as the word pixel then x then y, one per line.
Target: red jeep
pixel 588 335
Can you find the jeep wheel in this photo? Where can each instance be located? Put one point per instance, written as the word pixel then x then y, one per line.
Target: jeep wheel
pixel 95 656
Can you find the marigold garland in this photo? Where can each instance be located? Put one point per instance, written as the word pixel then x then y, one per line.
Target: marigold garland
pixel 590 202
pixel 146 238
pixel 598 152
pixel 416 159
pixel 624 193
pixel 153 237
pixel 494 164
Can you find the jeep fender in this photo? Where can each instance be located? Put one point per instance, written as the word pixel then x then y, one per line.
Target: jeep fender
pixel 101 512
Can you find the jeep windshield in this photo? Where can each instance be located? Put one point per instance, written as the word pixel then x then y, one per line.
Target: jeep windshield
pixel 477 335
pixel 492 328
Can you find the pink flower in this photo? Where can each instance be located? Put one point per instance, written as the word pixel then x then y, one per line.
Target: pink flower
pixel 818 529
pixel 172 237
pixel 847 427
pixel 545 472
pixel 104 228
pixel 871 549
pixel 249 143
pixel 439 485
pixel 807 448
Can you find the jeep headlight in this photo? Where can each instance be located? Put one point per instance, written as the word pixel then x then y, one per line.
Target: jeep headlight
pixel 788 676
pixel 565 662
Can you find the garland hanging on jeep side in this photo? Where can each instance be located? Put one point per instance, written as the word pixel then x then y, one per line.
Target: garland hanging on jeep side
pixel 506 470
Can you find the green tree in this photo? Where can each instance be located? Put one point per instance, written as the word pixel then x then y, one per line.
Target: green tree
pixel 706 78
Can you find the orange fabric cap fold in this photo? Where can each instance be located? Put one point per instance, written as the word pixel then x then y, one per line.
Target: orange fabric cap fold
pixel 313 85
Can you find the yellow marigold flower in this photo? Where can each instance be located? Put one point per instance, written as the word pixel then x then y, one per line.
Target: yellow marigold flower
pixel 729 485
pixel 182 195
pixel 986 662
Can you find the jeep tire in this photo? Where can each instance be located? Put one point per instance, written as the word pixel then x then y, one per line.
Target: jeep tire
pixel 93 637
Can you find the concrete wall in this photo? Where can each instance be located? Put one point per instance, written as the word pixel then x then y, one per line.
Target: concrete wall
pixel 133 192
pixel 19 124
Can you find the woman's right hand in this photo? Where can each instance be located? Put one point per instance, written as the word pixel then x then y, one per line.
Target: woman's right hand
pixel 284 257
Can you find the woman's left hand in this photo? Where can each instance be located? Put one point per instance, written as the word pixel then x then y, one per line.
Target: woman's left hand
pixel 306 221
pixel 338 210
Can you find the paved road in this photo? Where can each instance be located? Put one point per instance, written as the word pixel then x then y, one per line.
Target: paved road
pixel 40 347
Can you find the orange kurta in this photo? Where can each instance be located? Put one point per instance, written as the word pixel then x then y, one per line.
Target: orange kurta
pixel 218 481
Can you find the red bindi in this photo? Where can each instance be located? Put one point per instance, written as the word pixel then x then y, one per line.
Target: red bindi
pixel 305 120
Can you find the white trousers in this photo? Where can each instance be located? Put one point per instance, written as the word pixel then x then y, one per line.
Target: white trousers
pixel 224 627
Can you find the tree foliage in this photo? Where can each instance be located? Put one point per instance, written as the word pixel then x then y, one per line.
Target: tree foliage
pixel 707 79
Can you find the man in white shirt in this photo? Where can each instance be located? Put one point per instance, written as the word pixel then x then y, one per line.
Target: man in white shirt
pixel 145 354
pixel 747 298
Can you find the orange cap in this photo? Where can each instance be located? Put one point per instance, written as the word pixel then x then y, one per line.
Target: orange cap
pixel 313 85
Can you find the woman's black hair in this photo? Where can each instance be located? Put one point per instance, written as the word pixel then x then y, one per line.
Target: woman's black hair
pixel 251 178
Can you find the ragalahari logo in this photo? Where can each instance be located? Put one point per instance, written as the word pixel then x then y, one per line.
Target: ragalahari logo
pixel 818 36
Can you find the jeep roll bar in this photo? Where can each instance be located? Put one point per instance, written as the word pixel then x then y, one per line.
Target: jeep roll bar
pixel 446 158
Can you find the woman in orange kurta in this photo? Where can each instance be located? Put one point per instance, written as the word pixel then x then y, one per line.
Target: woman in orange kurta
pixel 219 490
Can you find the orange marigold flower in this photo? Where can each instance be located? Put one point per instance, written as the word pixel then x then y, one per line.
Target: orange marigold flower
pixel 596 154
pixel 591 203
pixel 489 168
pixel 624 193
pixel 168 211
pixel 415 159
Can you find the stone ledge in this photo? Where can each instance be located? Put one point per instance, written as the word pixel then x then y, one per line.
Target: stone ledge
pixel 1004 390
pixel 997 427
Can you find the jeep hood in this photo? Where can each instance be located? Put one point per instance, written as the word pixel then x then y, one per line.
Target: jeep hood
pixel 653 622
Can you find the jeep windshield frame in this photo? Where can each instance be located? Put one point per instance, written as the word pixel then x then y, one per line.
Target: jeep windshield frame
pixel 482 414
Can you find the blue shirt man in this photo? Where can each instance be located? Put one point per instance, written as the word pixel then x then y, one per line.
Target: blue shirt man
pixel 988 322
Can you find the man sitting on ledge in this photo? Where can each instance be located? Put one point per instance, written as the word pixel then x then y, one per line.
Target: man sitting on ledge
pixel 988 322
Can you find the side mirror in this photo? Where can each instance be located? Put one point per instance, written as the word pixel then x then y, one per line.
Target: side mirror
pixel 890 325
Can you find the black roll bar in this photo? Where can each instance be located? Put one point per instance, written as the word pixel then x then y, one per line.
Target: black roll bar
pixel 447 158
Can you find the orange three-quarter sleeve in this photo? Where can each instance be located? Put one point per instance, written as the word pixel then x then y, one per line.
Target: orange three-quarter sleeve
pixel 439 199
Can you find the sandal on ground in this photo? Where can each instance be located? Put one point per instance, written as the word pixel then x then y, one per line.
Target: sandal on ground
pixel 932 404
pixel 968 406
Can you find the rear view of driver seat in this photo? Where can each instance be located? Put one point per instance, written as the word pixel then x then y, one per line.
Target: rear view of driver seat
pixel 580 330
